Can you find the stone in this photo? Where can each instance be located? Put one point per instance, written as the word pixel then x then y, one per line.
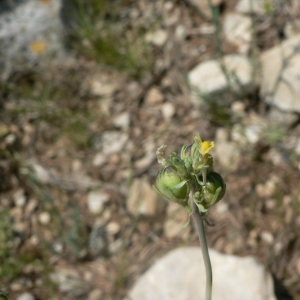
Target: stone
pixel 19 198
pixel 157 38
pixel 226 152
pixel 237 30
pixel 110 142
pixel 95 294
pixel 122 121
pixel 29 29
pixel 281 118
pixel 98 240
pixel 99 159
pixel 208 78
pixel 254 6
pixel 280 75
pixel 176 218
pixel 203 6
pixel 154 96
pixel 44 218
pixel 292 28
pixel 150 155
pixel 113 228
pixel 101 87
pixel 25 296
pixel 268 188
pixel 96 201
pixel 168 110
pixel 251 130
pixel 180 275
pixel 68 281
pixel 143 199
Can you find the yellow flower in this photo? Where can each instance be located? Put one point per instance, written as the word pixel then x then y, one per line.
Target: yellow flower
pixel 206 146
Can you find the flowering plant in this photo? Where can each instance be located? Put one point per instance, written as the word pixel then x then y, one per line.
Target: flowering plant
pixel 190 180
pixel 191 172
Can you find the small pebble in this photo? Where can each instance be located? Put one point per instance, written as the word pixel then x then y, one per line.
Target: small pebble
pixel 25 296
pixel 44 218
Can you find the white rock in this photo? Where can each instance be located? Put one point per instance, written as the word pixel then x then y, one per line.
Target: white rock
pixel 249 132
pixel 102 88
pixel 180 275
pixel 25 296
pixel 249 6
pixel 19 198
pixel 168 110
pixel 281 118
pixel 44 218
pixel 68 281
pixel 237 30
pixel 27 23
pixel 58 247
pixel 98 240
pixel 96 201
pixel 203 6
pixel 157 38
pixel 267 237
pixel 122 120
pixel 113 228
pixel 154 96
pixel 143 199
pixel 208 77
pixel 292 28
pixel 175 221
pixel 95 294
pixel 268 188
pixel 226 152
pixel 238 108
pixel 111 142
pixel 252 133
pixel 99 159
pixel 149 157
pixel 280 82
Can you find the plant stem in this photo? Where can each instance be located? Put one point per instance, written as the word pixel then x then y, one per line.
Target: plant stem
pixel 202 239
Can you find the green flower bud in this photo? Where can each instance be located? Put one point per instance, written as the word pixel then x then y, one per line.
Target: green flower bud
pixel 211 193
pixel 171 186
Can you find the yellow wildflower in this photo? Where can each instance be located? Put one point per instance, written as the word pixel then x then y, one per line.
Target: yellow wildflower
pixel 206 146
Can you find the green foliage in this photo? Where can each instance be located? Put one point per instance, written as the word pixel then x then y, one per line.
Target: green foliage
pixel 97 34
pixel 52 103
pixel 6 234
pixel 76 236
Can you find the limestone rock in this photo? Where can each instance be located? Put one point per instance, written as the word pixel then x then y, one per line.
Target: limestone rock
pixel 226 152
pixel 29 29
pixel 68 281
pixel 207 77
pixel 180 275
pixel 157 38
pixel 143 199
pixel 256 6
pixel 175 220
pixel 280 80
pixel 203 6
pixel 25 296
pixel 96 201
pixel 237 30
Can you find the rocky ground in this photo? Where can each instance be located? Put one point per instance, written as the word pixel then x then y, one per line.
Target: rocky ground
pixel 78 216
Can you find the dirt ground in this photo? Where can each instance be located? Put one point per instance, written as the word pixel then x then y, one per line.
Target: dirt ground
pixel 53 117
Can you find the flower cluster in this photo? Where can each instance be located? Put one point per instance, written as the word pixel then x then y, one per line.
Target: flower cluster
pixel 190 176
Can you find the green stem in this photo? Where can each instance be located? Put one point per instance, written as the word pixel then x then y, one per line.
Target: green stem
pixel 204 248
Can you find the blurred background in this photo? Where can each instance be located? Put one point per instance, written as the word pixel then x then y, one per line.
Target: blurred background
pixel 90 88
